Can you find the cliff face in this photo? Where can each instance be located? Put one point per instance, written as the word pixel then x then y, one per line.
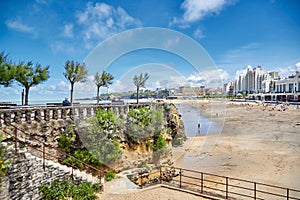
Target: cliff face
pixel 145 152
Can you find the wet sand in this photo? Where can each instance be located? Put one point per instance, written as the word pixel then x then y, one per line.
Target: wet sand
pixel 258 143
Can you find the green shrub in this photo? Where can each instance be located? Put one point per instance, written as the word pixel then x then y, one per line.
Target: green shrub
pixel 110 175
pixel 144 165
pixel 4 164
pixel 159 143
pixel 65 140
pixel 67 189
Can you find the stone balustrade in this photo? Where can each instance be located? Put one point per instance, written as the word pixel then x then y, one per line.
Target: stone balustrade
pixel 38 114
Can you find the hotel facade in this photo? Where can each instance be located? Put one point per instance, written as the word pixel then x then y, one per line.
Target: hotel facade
pixel 260 84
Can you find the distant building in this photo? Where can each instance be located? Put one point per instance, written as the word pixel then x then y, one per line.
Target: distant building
pixel 290 84
pixel 228 88
pixel 257 80
pixel 191 91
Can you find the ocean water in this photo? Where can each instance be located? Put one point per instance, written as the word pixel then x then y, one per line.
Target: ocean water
pixel 45 101
pixel 191 117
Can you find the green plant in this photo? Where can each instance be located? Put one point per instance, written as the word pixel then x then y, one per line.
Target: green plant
pixel 67 189
pixel 144 165
pixel 149 143
pixel 142 123
pixel 66 139
pixel 159 143
pixel 177 141
pixel 110 175
pixel 3 163
pixel 84 156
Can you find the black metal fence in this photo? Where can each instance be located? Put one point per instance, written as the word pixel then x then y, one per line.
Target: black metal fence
pixel 223 186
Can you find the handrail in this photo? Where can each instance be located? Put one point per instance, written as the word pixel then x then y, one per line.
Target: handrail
pixel 43 145
pixel 226 189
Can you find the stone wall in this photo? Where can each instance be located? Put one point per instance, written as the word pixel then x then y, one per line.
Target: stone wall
pixel 27 172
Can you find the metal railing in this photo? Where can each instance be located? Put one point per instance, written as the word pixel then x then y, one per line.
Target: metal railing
pixel 221 186
pixel 42 149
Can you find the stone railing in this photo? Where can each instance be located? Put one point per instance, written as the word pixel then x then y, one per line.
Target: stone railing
pixel 38 114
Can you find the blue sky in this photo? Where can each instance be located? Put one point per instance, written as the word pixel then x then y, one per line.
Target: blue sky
pixel 235 34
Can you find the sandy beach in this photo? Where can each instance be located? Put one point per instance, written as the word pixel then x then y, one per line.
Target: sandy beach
pixel 258 142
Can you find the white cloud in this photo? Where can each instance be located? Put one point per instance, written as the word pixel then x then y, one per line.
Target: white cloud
pixel 171 42
pixel 198 34
pixel 100 21
pixel 195 10
pixel 68 30
pixel 288 71
pixel 298 66
pixel 60 46
pixel 241 72
pixel 210 78
pixel 19 26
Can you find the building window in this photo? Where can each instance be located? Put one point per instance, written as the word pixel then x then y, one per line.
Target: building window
pixel 291 87
pixel 280 90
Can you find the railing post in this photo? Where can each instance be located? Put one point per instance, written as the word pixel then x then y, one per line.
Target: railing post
pixel 44 156
pixel 254 190
pixel 180 174
pixel 226 187
pixel 201 182
pixel 16 141
pixel 287 193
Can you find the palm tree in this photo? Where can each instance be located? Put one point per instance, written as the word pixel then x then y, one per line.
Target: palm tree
pixel 75 72
pixel 29 76
pixel 139 81
pixel 104 80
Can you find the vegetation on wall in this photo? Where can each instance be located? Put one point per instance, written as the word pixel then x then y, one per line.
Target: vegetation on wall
pixel 160 143
pixel 110 175
pixel 69 190
pixel 3 163
pixel 143 123
pixel 66 142
pixel 99 135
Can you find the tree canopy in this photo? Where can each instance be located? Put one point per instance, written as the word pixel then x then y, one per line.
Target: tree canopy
pixel 139 81
pixel 74 72
pixel 7 70
pixel 29 75
pixel 104 80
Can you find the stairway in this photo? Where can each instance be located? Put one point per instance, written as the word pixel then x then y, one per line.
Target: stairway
pixel 78 175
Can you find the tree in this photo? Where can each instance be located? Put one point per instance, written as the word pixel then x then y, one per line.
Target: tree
pixel 104 80
pixel 28 76
pixel 139 81
pixel 7 70
pixel 75 72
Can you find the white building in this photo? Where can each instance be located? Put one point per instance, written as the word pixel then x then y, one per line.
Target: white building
pixel 257 80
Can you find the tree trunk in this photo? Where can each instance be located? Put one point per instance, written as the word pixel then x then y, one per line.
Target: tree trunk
pixel 26 95
pixel 71 93
pixel 98 88
pixel 137 95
